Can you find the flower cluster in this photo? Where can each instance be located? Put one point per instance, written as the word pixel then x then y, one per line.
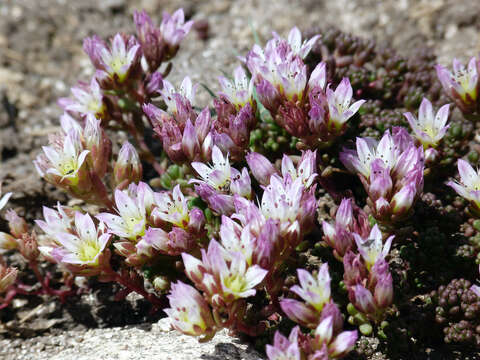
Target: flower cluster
pixel 149 223
pixel 235 107
pixel 326 343
pixel 77 158
pixel 302 104
pixel 254 241
pixel 220 183
pixel 160 44
pixel 391 172
pixel 367 276
pixel 187 136
pixel 318 312
pixel 349 219
pixel 179 205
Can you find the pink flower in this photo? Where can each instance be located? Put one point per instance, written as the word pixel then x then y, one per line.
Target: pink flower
pixel 189 312
pixel 128 168
pixel 174 28
pixel 429 128
pixel 64 161
pixel 372 248
pixel 461 84
pixel 314 291
pixel 469 185
pixel 339 104
pixel 117 63
pixel 239 91
pixel 83 247
pixel 131 219
pixel 283 348
pixel 88 99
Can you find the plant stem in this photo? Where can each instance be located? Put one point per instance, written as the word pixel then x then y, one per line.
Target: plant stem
pixel 157 303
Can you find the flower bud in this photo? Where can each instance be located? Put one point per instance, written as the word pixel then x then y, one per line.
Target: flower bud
pixel 18 226
pixel 99 145
pixel 128 167
pixel 7 242
pixel 125 248
pixel 343 344
pixel 197 220
pixel 28 246
pixel 384 291
pixel 300 312
pixel 8 275
pixel 362 299
pixel 241 184
pixel 4 198
pixel 161 283
pixel 402 201
pixel 189 312
pixel 331 310
pixel 431 156
pixel 155 83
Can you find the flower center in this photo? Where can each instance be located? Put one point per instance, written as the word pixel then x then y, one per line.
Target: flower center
pixel 67 168
pixel 88 250
pixel 117 63
pixel 235 283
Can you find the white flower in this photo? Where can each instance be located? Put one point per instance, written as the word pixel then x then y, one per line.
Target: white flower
pixel 55 221
pixel 281 201
pixel 218 174
pixel 187 91
pixel 189 312
pixel 298 47
pixel 240 90
pixel 172 207
pixel 315 291
pixel 64 159
pixel 469 186
pixel 89 99
pixel 131 221
pixel 305 169
pixel 429 128
pixel 462 81
pixel 372 248
pixel 238 280
pixel 236 238
pixel 121 57
pixel 340 109
pixel 367 151
pixel 85 246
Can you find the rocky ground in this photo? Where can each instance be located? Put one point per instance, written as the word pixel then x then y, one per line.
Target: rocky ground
pixel 41 57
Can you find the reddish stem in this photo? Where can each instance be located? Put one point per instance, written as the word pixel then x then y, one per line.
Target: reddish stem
pixel 45 282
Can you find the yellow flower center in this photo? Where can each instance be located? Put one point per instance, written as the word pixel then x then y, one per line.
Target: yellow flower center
pixel 95 106
pixel 235 283
pixel 117 64
pixel 88 250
